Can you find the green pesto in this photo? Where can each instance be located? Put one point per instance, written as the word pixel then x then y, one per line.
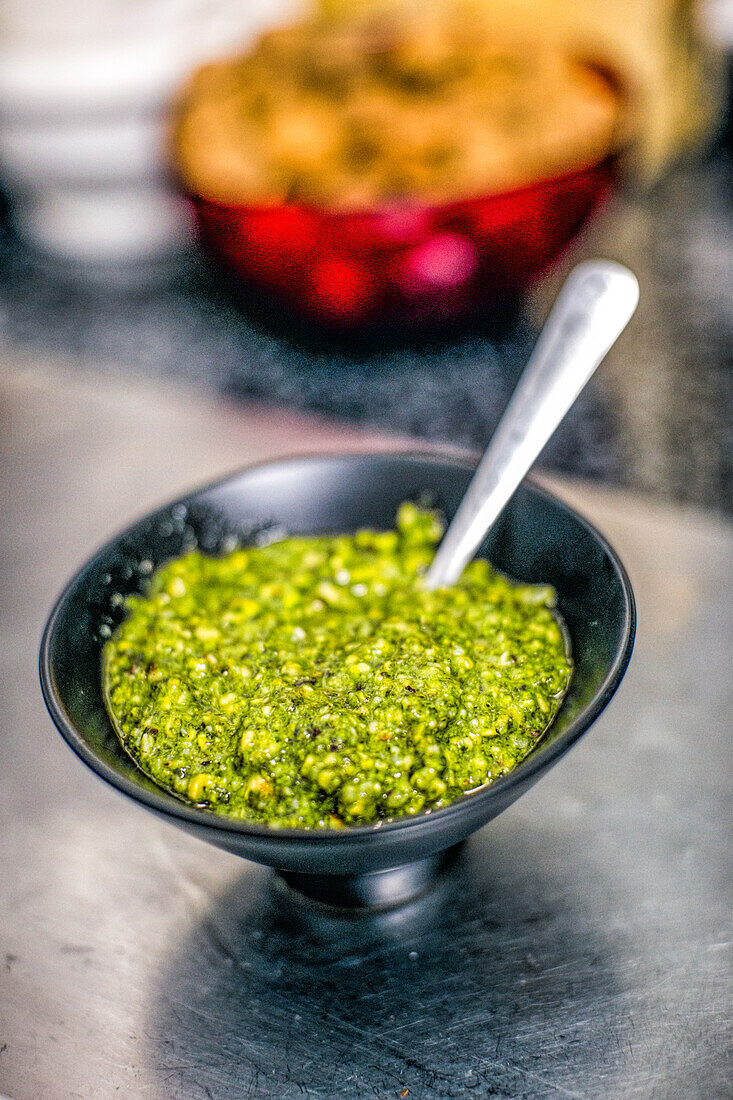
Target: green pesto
pixel 314 683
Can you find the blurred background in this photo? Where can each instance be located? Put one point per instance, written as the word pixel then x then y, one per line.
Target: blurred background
pixel 363 208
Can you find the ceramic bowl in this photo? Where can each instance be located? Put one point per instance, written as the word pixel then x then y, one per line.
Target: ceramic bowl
pixel 538 539
pixel 385 268
pixel 85 97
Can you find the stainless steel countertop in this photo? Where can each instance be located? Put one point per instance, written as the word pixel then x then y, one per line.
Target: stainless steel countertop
pixel 579 948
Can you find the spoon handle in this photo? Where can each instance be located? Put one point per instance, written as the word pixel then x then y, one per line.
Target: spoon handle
pixel 592 310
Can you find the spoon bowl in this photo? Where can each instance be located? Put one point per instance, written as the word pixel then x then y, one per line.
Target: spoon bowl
pixel 538 539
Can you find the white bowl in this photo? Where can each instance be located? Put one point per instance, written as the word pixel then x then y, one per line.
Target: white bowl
pixel 85 90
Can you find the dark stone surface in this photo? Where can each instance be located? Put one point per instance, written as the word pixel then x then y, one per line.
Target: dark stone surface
pixel 657 417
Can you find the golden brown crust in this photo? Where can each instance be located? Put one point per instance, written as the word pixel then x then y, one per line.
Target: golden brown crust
pixel 343 116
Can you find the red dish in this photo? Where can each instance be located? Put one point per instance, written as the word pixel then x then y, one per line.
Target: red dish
pixel 402 265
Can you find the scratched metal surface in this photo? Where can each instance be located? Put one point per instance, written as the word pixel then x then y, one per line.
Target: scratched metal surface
pixel 578 948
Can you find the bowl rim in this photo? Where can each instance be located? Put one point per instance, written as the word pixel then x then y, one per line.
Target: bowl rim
pixel 529 769
pixel 430 207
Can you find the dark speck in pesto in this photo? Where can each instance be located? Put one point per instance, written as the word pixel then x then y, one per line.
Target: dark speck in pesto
pixel 313 683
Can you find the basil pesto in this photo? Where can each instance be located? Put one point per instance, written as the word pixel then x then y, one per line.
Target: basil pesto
pixel 314 683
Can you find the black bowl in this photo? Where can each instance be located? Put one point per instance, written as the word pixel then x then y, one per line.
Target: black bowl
pixel 538 539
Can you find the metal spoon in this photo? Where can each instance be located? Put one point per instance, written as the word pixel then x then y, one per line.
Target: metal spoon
pixel 592 310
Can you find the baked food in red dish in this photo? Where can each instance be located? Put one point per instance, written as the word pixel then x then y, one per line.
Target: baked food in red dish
pixel 394 167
